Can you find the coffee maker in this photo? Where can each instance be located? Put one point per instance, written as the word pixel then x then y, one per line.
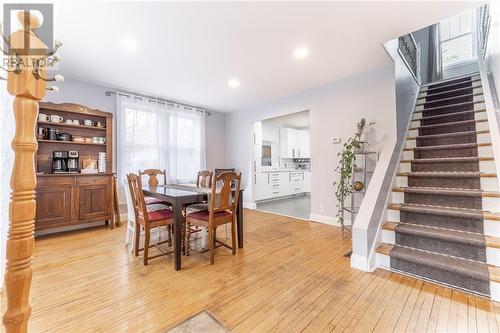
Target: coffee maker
pixel 59 162
pixel 73 161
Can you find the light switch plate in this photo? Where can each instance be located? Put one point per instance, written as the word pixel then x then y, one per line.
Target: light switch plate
pixel 336 139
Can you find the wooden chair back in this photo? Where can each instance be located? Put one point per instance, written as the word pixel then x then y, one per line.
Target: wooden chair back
pixel 153 175
pixel 223 186
pixel 137 196
pixel 204 179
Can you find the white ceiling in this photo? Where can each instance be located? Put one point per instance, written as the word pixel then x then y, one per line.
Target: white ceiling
pixel 299 120
pixel 187 51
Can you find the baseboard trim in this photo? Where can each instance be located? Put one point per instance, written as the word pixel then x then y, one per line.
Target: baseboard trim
pixel 250 205
pixel 324 219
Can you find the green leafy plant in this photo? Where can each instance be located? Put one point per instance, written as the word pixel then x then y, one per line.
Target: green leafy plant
pixel 345 166
pixel 344 188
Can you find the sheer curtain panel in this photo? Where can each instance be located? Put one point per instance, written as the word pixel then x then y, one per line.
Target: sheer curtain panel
pixel 161 136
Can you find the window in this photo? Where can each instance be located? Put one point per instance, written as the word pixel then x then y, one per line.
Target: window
pixel 152 135
pixel 457 39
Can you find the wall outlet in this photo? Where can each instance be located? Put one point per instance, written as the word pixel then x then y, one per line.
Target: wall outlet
pixel 322 209
pixel 336 140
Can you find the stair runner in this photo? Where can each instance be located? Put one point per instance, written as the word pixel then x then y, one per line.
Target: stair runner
pixel 440 234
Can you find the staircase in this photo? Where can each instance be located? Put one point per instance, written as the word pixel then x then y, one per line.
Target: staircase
pixel 443 222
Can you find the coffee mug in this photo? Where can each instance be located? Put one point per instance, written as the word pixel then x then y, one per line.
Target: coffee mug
pixel 95 139
pixel 102 139
pixel 88 122
pixel 43 117
pixel 56 119
pixel 69 122
pixel 76 122
pixel 100 124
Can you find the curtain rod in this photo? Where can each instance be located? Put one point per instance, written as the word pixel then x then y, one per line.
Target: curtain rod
pixel 157 100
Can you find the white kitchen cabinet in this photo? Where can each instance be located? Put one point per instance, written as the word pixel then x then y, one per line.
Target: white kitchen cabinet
pixel 289 143
pixel 262 186
pixel 270 132
pixel 307 181
pixel 304 143
pixel 296 183
pixel 257 147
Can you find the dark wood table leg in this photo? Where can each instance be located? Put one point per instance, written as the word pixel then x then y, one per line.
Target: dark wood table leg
pixel 178 219
pixel 239 221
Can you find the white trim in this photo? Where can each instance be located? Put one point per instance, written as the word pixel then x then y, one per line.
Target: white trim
pixel 249 205
pixel 324 219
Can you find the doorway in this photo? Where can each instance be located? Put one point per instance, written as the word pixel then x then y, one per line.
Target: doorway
pixel 282 165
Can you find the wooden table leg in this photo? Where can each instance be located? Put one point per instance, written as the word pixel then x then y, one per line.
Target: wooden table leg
pixel 239 221
pixel 178 220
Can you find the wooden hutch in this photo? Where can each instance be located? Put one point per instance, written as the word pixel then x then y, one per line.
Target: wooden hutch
pixel 67 200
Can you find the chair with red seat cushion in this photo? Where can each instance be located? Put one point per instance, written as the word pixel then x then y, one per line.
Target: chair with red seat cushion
pixel 222 205
pixel 148 216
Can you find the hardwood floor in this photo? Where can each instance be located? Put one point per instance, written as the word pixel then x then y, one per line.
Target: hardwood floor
pixel 290 277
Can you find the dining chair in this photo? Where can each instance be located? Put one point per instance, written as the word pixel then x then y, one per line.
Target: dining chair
pixel 152 178
pixel 203 180
pixel 222 204
pixel 149 217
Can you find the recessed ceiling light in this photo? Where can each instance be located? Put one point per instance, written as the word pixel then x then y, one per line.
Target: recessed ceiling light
pixel 129 44
pixel 233 83
pixel 301 52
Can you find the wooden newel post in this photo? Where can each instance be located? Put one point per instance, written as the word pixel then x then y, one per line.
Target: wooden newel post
pixel 27 82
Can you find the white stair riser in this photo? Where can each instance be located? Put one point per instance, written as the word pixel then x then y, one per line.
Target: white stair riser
pixel 492 228
pixel 485 151
pixel 408 155
pixel 388 236
pixel 423 95
pixel 488 203
pixel 383 261
pixel 401 181
pixel 489 184
pixel 484 166
pixel 393 215
pixel 495 291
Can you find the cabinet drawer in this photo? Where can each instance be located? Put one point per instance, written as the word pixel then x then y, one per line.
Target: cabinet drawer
pixel 93 180
pixel 51 181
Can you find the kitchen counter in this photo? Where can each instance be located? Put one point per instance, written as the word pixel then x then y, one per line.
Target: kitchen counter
pixel 284 170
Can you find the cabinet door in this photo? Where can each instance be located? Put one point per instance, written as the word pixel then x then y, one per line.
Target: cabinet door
pixel 304 144
pixel 293 142
pixel 53 206
pixel 94 202
pixel 262 186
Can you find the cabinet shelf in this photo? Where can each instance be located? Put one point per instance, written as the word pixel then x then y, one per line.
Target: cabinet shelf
pixel 92 128
pixel 72 143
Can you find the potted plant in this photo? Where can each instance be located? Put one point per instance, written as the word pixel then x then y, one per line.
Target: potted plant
pixel 347 159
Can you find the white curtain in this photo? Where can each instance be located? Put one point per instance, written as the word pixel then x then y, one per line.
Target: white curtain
pixel 6 162
pixel 160 136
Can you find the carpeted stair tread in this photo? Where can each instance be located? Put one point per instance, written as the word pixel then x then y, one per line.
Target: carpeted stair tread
pixel 445 135
pixel 433 89
pixel 447 115
pixel 440 210
pixel 449 92
pixel 490 240
pixel 449 98
pixel 460 244
pixel 461 273
pixel 454 80
pixel 448 160
pixel 463 145
pixel 443 107
pixel 445 174
pixel 453 123
pixel 448 191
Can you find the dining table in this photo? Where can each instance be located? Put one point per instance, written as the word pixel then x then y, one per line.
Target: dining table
pixel 179 195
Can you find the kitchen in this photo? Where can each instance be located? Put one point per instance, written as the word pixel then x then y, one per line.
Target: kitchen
pixel 282 165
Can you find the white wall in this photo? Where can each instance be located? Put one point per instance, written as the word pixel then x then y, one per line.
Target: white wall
pixel 335 108
pixel 492 58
